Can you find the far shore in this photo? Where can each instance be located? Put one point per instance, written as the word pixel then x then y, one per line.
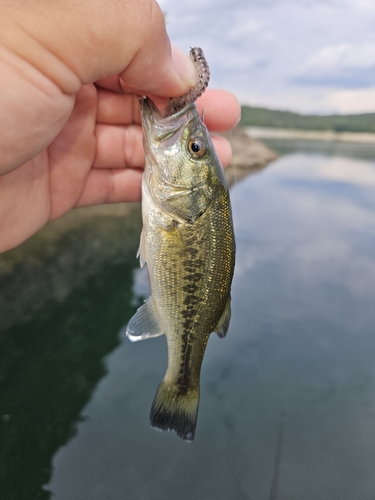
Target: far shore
pixel 314 135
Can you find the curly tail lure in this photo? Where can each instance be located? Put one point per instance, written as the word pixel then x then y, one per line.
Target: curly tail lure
pixel 177 103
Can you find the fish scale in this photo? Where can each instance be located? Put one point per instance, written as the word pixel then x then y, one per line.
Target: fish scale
pixel 191 279
pixel 188 245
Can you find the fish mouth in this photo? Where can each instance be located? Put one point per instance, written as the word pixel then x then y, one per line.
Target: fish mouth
pixel 161 127
pixel 149 110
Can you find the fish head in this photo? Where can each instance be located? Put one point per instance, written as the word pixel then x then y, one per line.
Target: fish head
pixel 182 168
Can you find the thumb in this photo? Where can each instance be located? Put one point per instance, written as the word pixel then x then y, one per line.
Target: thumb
pixel 100 40
pixel 167 74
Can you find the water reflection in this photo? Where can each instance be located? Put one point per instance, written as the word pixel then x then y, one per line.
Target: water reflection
pixel 71 304
pixel 299 357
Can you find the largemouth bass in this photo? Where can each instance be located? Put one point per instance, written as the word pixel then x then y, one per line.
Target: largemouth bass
pixel 188 244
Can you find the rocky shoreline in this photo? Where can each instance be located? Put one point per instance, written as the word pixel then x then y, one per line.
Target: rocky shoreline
pixel 249 155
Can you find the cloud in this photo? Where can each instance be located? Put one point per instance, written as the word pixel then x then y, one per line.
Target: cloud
pixel 347 171
pixel 288 54
pixel 365 5
pixel 337 169
pixel 341 65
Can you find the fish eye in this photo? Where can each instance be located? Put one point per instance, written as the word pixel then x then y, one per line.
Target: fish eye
pixel 196 147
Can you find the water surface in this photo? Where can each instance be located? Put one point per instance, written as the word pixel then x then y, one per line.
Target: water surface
pixel 287 398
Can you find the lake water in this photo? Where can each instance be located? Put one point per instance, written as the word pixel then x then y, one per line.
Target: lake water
pixel 287 398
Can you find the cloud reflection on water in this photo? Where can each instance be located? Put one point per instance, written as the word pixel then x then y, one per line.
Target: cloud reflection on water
pixel 303 292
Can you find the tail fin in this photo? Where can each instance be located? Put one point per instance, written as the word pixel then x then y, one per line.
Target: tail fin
pixel 175 408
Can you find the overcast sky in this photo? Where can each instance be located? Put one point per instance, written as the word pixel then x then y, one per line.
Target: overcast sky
pixel 311 56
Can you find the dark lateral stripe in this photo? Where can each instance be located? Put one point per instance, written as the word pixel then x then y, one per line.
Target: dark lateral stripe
pixel 191 266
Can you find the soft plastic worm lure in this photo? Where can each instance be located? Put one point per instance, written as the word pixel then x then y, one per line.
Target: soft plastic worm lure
pixel 177 103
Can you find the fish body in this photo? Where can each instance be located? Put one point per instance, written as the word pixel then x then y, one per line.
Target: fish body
pixel 188 244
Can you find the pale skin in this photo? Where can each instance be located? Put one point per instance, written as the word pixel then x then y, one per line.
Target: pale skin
pixel 71 73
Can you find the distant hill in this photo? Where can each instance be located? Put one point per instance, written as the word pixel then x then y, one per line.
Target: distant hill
pixel 262 117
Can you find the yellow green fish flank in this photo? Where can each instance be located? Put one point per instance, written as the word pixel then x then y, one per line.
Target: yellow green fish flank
pixel 188 245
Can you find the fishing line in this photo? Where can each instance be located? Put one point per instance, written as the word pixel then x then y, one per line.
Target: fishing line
pixel 275 483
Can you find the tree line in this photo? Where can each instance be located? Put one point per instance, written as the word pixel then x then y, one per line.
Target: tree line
pixel 262 117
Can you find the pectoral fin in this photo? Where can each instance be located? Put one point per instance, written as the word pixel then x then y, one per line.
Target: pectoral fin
pixel 144 324
pixel 223 324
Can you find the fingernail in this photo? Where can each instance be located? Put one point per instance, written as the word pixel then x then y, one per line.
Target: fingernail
pixel 184 67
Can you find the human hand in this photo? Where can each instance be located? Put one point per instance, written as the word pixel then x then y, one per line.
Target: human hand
pixel 66 142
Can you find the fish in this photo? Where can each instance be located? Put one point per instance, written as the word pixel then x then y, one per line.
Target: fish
pixel 188 245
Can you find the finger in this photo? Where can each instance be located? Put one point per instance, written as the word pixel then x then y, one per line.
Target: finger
pixel 223 150
pixel 160 70
pixel 99 40
pixel 115 84
pixel 111 83
pixel 118 109
pixel 124 185
pixel 122 109
pixel 221 109
pixel 72 153
pixel 111 186
pixel 119 147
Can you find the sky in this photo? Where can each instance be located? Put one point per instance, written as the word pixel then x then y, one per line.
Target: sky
pixel 309 56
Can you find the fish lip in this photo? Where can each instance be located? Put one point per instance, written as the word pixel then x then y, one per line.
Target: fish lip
pixel 150 111
pixel 157 127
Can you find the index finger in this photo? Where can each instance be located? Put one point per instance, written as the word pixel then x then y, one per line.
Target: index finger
pixel 221 109
pixel 118 109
